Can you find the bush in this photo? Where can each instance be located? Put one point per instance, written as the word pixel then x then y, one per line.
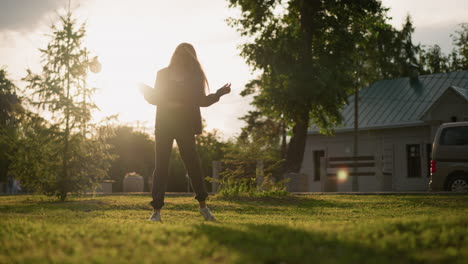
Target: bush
pixel 240 173
pixel 37 163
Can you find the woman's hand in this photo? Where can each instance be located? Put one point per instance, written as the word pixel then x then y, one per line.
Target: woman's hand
pixel 224 90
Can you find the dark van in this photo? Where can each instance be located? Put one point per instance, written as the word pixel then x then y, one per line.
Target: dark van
pixel 449 164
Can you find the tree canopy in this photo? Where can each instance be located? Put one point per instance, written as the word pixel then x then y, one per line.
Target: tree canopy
pixel 310 54
pixel 10 109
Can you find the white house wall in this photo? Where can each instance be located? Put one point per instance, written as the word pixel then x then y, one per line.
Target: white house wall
pixel 371 143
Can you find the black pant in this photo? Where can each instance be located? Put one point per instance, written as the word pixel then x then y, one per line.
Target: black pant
pixel 188 151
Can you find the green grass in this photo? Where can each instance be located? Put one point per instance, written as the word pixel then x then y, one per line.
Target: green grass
pixel 290 229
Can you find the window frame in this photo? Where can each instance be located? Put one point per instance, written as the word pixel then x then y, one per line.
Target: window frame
pixel 316 155
pixel 413 165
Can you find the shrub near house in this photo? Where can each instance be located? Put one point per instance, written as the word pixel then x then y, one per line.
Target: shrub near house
pixel 133 182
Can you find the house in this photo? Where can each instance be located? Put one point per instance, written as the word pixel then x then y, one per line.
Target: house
pixel 397 122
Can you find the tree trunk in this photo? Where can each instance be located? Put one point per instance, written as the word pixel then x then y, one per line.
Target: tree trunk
pixel 308 11
pixel 284 146
pixel 296 146
pixel 65 181
pixel 63 196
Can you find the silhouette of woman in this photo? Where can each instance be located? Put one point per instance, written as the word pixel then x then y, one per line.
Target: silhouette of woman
pixel 180 90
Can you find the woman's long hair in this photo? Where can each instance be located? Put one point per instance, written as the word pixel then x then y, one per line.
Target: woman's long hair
pixel 185 58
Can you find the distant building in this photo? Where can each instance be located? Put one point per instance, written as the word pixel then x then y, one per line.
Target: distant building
pixel 397 122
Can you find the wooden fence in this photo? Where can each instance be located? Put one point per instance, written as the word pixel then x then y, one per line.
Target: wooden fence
pixel 333 171
pixel 336 169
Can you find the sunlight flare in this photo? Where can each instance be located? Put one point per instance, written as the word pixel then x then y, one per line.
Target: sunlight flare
pixel 342 175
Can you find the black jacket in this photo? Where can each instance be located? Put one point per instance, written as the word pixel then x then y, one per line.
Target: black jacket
pixel 178 102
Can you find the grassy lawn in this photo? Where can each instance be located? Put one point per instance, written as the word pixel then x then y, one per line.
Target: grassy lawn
pixel 293 229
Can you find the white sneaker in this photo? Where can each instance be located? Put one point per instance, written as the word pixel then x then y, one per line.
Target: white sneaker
pixel 156 216
pixel 206 213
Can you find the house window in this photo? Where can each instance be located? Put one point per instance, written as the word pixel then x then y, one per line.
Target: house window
pixel 413 160
pixel 317 155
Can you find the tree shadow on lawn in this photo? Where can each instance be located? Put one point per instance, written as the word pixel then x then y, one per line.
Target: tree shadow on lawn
pixel 300 202
pixel 244 205
pixel 268 243
pixel 77 204
pixel 438 201
pixel 268 200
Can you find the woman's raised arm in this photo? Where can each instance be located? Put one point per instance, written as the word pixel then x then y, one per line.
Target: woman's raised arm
pixel 204 100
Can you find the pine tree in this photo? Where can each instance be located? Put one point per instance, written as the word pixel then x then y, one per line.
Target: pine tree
pixel 61 90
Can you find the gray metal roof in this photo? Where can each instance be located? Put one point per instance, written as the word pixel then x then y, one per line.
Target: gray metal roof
pixel 400 102
pixel 461 91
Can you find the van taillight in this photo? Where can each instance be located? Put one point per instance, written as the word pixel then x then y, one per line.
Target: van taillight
pixel 433 166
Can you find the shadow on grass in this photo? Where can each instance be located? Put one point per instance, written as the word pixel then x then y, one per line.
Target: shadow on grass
pixel 299 202
pixel 267 243
pixel 245 205
pixel 450 201
pixel 88 205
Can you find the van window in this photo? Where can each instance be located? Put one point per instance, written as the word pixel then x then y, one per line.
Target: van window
pixel 454 136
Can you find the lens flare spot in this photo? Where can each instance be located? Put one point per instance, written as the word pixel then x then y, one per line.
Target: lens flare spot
pixel 342 175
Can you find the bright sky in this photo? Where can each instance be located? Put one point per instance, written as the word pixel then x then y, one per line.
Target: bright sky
pixel 134 39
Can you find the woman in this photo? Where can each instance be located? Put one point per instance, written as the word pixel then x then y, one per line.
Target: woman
pixel 179 91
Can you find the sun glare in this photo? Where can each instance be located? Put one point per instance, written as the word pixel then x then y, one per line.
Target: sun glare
pixel 133 48
pixel 128 55
pixel 342 175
